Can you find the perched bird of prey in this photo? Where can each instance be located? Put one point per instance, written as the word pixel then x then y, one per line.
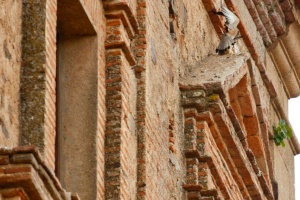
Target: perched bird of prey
pixel 227 41
pixel 225 44
pixel 231 35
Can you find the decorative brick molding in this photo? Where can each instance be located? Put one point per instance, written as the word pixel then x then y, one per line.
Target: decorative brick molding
pixel 24 175
pixel 120 158
pixel 282 56
pixel 270 17
pixel 253 46
pixel 139 44
pixel 120 126
pixel 121 10
pixel 117 39
pixel 220 142
pixel 222 129
pixel 50 93
pixel 283 21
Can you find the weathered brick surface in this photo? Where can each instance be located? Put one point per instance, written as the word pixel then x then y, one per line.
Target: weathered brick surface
pixel 174 121
pixel 27 176
pixel 160 75
pixel 283 66
pixel 101 101
pixel 281 158
pixel 97 13
pixel 121 90
pixel 32 90
pixel 120 158
pixel 238 119
pixel 50 93
pixel 225 183
pixel 139 44
pixel 10 59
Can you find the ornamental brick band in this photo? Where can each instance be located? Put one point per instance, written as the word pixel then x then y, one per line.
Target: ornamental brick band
pixel 24 175
pixel 272 20
pixel 222 129
pixel 152 112
pixel 120 159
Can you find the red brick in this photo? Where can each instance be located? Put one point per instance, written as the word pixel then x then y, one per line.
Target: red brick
pixel 4 160
pixel 12 169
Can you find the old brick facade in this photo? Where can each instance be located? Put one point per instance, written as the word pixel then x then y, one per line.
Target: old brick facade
pixel 127 99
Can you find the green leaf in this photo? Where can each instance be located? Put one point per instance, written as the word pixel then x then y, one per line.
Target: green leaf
pixel 278 129
pixel 277 141
pixel 283 129
pixel 289 134
pixel 288 129
pixel 281 132
pixel 282 135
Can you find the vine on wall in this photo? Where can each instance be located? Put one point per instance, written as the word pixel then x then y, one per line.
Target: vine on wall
pixel 281 132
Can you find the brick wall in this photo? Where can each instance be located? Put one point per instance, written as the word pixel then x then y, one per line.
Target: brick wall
pixel 33 72
pixel 101 102
pixel 121 102
pixel 10 51
pixel 164 63
pixel 163 130
pixel 50 88
pixel 158 112
pixel 38 102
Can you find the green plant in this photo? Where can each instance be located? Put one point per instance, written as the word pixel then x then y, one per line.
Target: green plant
pixel 281 132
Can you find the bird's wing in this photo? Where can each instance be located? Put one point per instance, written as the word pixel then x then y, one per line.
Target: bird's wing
pixel 225 42
pixel 231 19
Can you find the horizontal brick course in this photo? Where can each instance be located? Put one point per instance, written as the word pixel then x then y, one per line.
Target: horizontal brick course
pixel 27 173
pixel 173 120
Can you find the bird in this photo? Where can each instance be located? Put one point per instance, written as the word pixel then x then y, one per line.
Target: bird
pixel 230 37
pixel 225 44
pixel 227 41
pixel 231 19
